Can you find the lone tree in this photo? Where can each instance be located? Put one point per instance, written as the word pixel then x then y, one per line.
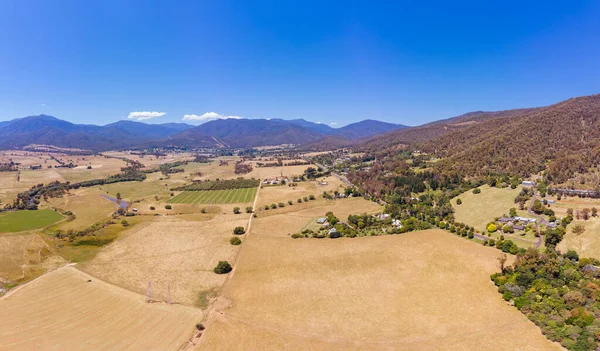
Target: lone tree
pixel 249 209
pixel 236 210
pixel 239 230
pixel 502 261
pixel 119 196
pixel 223 267
pixel 235 241
pixel 458 201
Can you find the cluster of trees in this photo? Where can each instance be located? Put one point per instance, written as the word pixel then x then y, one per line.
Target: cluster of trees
pixel 313 173
pixel 8 167
pixel 539 208
pixel 289 202
pixel 556 292
pixel 239 183
pixel 242 168
pixel 30 199
pixel 201 159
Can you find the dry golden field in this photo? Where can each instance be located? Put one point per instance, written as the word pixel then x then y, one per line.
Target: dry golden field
pixel 283 193
pixel 24 256
pixel 587 244
pixel 63 311
pixel 420 291
pixel 171 252
pixel 88 206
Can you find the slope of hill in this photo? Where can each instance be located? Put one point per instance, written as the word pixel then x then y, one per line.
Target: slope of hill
pixel 143 130
pixel 565 137
pixel 367 128
pixel 403 137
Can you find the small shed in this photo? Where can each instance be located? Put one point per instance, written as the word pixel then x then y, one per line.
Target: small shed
pixel 322 220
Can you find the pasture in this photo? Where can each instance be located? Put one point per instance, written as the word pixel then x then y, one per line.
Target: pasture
pixel 283 193
pixel 70 310
pixel 587 244
pixel 424 290
pixel 479 209
pixel 87 205
pixel 19 221
pixel 230 196
pixel 169 251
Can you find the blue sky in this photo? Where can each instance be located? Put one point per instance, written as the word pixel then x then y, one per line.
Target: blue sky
pixel 326 61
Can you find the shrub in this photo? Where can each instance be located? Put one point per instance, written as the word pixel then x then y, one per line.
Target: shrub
pixel 168 207
pixel 476 191
pixel 236 210
pixel 458 201
pixel 239 230
pixel 152 208
pixel 311 197
pixel 249 209
pixel 124 223
pixel 235 241
pixel 471 235
pixel 305 199
pixel 273 206
pixel 281 204
pixel 297 235
pixel 223 267
pixel 200 326
pixel 266 207
pixel 299 200
pixel 290 202
pixel 203 210
pixel 491 228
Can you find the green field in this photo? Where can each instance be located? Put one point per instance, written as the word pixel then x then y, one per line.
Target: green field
pixel 27 220
pixel 230 196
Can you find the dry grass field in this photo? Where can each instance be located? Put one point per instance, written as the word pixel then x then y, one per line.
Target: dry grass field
pixel 171 252
pixel 479 209
pixel 63 311
pixel 420 291
pixel 587 244
pixel 24 256
pixel 283 193
pixel 88 206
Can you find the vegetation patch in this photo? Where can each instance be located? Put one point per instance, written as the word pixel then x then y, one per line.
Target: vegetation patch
pixel 18 221
pixel 220 185
pixel 231 196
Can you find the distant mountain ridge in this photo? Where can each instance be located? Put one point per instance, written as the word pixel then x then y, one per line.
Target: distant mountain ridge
pixel 242 133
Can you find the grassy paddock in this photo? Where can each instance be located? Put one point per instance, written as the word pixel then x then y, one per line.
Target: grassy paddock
pixel 479 209
pixel 230 196
pixel 19 221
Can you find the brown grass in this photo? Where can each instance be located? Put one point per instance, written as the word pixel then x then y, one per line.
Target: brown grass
pixel 171 252
pixel 420 291
pixel 63 311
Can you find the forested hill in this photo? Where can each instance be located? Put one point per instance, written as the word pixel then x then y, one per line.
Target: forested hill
pixel 565 137
pixel 403 137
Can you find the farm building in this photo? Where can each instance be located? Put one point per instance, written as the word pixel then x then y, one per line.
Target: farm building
pixel 506 219
pixel 333 233
pixel 526 220
pixel 527 183
pixel 322 220
pixel 518 227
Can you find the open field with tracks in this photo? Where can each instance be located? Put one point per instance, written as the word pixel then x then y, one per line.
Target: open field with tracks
pixel 479 209
pixel 63 311
pixel 172 252
pixel 230 196
pixel 424 290
pixel 87 205
pixel 11 222
pixel 587 244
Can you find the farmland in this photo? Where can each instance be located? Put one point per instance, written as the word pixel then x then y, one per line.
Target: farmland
pixel 423 290
pixel 162 251
pixel 67 309
pixel 230 196
pixel 27 220
pixel 479 209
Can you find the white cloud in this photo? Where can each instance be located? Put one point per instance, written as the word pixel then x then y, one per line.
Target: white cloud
pixel 143 115
pixel 332 123
pixel 208 116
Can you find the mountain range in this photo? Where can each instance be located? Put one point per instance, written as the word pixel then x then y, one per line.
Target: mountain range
pixel 241 133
